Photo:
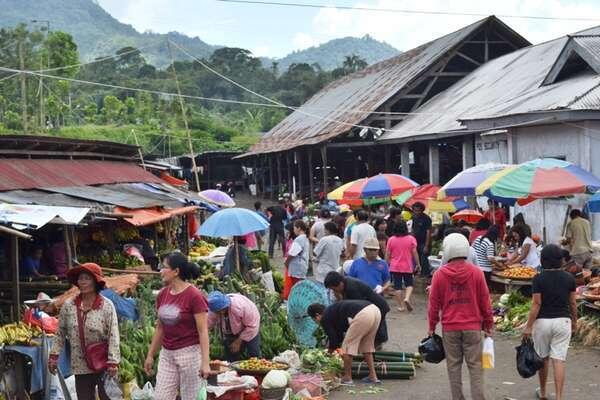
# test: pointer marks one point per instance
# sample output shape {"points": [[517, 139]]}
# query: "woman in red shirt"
{"points": [[402, 256], [181, 331]]}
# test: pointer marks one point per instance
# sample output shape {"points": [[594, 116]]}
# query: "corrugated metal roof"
{"points": [[41, 197], [18, 173], [508, 85], [333, 110], [123, 195], [590, 43]]}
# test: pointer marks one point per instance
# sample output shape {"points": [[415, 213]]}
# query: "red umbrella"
{"points": [[469, 216]]}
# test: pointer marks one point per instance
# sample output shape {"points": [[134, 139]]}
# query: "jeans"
{"points": [[276, 234], [252, 348], [425, 269], [85, 386], [467, 346]]}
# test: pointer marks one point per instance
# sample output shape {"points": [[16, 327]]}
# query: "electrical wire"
{"points": [[405, 11], [9, 76]]}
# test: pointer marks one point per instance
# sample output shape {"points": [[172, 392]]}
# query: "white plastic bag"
{"points": [[56, 392], [267, 281], [111, 388], [487, 356], [146, 393]]}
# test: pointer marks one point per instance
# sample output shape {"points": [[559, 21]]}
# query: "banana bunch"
{"points": [[18, 333], [126, 234], [201, 249]]}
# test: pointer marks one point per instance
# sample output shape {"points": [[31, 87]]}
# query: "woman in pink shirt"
{"points": [[402, 257]]}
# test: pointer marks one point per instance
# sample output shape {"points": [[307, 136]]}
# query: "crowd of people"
{"points": [[360, 256]]}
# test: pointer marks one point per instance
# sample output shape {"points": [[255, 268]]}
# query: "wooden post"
{"points": [[263, 175], [387, 154], [311, 181], [137, 143], [325, 172], [298, 155], [16, 289], [434, 164], [405, 160], [278, 174], [68, 251], [271, 180], [288, 161], [255, 176], [208, 173]]}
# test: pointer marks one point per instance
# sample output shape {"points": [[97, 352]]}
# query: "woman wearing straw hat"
{"points": [[90, 323]]}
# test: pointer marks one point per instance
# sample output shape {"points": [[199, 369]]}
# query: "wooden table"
{"points": [[510, 284]]}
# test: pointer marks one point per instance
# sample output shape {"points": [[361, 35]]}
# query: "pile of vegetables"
{"points": [[319, 360], [588, 330], [511, 312]]}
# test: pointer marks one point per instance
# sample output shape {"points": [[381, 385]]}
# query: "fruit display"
{"points": [[260, 365], [518, 271], [125, 234], [100, 238], [201, 249], [18, 333]]}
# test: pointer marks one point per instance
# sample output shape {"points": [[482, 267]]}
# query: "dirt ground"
{"points": [[502, 383]]}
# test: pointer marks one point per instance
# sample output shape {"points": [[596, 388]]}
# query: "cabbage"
{"points": [[276, 379]]}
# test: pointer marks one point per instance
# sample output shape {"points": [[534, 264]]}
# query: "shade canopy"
{"points": [[377, 188], [232, 222], [466, 182], [217, 197], [539, 179], [427, 194], [469, 216]]}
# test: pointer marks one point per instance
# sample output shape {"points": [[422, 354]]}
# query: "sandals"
{"points": [[347, 383], [538, 394], [370, 381], [409, 306]]}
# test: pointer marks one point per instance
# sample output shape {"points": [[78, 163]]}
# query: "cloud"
{"points": [[302, 41], [405, 31], [261, 51]]}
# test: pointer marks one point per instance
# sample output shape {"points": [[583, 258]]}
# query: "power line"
{"points": [[9, 76], [405, 11]]}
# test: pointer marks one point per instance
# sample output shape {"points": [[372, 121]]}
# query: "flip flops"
{"points": [[347, 383], [408, 306], [538, 394], [370, 381]]}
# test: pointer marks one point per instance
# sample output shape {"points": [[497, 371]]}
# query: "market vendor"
{"points": [[528, 253], [30, 265], [347, 288], [351, 324], [238, 321], [230, 261]]}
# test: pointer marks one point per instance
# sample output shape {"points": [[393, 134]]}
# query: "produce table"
{"points": [[38, 364], [510, 284]]}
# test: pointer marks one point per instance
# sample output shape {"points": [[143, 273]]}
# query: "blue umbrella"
{"points": [[232, 222], [593, 204], [302, 295]]}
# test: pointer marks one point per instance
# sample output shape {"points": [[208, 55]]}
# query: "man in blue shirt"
{"points": [[370, 269], [30, 265]]}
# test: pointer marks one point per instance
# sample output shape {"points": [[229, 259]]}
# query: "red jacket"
{"points": [[459, 293]]}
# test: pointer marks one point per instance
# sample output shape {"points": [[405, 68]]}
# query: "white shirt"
{"points": [[328, 252], [360, 233], [318, 228], [533, 258]]}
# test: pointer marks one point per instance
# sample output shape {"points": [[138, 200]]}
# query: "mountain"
{"points": [[95, 31], [98, 34], [330, 55]]}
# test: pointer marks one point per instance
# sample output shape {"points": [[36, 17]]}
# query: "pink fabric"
{"points": [[401, 253], [244, 317], [178, 373], [251, 243]]}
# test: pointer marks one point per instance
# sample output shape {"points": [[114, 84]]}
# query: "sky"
{"points": [[274, 31]]}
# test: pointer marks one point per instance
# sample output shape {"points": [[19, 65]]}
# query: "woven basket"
{"points": [[272, 394]]}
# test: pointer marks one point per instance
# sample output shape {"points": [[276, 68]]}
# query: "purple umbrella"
{"points": [[217, 197]]}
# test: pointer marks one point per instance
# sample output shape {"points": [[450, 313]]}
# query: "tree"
{"points": [[112, 109], [60, 51]]}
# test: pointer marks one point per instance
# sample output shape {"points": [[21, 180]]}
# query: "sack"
{"points": [[112, 388], [528, 361], [432, 349], [487, 355]]}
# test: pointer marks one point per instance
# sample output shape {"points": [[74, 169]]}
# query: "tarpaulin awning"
{"points": [[23, 216], [149, 216], [170, 179]]}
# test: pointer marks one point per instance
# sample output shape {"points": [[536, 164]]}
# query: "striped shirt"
{"points": [[484, 248]]}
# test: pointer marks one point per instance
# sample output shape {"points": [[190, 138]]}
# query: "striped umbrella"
{"points": [[378, 188], [465, 182], [469, 216], [538, 179], [338, 195], [427, 194]]}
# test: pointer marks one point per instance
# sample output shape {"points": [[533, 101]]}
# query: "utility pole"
{"points": [[183, 114], [41, 91], [23, 86]]}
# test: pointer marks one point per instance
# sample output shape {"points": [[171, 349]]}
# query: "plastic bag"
{"points": [[202, 391], [528, 361], [40, 319], [146, 393], [267, 281], [487, 355], [56, 392], [112, 388], [432, 349]]}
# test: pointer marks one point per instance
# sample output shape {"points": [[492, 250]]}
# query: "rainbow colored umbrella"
{"points": [[378, 188], [465, 182], [337, 195], [427, 194], [538, 179], [469, 216]]}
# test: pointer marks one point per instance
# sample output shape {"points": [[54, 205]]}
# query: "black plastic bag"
{"points": [[528, 361], [432, 349]]}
